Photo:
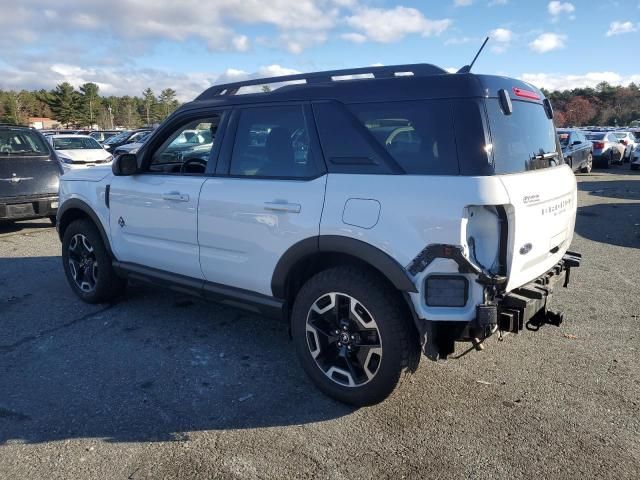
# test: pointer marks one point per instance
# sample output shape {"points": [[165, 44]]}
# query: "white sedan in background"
{"points": [[79, 151]]}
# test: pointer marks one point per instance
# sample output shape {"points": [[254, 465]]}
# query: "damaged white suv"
{"points": [[381, 211]]}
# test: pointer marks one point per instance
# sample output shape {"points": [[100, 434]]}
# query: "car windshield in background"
{"points": [[524, 140], [116, 138], [595, 136], [564, 138], [24, 142], [75, 143]]}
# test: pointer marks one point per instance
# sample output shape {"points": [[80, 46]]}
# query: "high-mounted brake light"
{"points": [[520, 92]]}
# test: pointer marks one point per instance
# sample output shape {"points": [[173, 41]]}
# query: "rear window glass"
{"points": [[418, 134], [524, 140], [21, 142], [564, 138], [595, 136]]}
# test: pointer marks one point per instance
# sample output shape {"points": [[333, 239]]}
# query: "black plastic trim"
{"points": [[76, 204], [369, 254], [235, 297]]}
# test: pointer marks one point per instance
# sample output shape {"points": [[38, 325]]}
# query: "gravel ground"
{"points": [[160, 385]]}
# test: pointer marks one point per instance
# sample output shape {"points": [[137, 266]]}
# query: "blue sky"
{"points": [[126, 45]]}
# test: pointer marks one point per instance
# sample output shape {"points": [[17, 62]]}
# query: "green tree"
{"points": [[149, 102], [168, 102], [90, 102], [64, 103]]}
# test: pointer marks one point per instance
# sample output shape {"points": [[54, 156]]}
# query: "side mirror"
{"points": [[125, 164], [576, 142]]}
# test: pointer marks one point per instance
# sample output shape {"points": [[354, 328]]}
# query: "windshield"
{"points": [[138, 137], [116, 138], [21, 142], [524, 140], [75, 143]]}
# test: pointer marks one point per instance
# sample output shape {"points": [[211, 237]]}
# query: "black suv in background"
{"points": [[128, 136], [29, 175]]}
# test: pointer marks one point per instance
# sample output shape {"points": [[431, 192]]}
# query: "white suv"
{"points": [[379, 216]]}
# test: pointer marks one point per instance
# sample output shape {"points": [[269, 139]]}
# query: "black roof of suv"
{"points": [[388, 83]]}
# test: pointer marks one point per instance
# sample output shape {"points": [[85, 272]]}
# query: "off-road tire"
{"points": [[108, 285], [400, 346]]}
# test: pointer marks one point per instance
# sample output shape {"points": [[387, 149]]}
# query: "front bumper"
{"points": [[526, 307], [26, 207]]}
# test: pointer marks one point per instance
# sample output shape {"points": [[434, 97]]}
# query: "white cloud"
{"points": [[501, 38], [553, 81], [556, 8], [617, 28], [128, 81], [462, 3], [354, 37], [391, 25], [547, 42], [214, 23]]}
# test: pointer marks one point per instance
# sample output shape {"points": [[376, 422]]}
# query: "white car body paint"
{"points": [[245, 225]]}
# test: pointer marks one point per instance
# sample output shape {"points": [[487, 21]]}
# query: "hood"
{"points": [[94, 174], [85, 155]]}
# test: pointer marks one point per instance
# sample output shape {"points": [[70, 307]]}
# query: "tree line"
{"points": [[86, 108], [604, 105]]}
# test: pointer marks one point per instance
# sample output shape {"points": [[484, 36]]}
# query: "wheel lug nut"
{"points": [[339, 344], [337, 332], [353, 337]]}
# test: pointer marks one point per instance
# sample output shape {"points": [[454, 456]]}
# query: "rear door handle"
{"points": [[283, 207], [175, 197]]}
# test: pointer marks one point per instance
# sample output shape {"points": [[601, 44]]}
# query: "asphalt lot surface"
{"points": [[160, 385]]}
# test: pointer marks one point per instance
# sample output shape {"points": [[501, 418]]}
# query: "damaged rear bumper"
{"points": [[526, 307]]}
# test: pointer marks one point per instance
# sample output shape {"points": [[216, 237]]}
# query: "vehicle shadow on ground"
{"points": [[597, 184], [153, 366], [12, 227], [612, 223]]}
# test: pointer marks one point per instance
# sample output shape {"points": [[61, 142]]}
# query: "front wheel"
{"points": [[609, 160], [352, 335], [588, 165], [87, 264]]}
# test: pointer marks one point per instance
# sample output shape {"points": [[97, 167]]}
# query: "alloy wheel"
{"points": [[344, 340], [83, 265]]}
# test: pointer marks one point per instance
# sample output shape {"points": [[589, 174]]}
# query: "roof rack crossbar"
{"points": [[418, 69]]}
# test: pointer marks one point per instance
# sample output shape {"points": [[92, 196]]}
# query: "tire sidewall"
{"points": [[103, 259], [391, 364]]}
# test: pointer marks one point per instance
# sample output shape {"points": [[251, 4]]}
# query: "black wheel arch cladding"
{"points": [[363, 251]]}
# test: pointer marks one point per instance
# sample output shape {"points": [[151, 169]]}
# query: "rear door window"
{"points": [[418, 135], [273, 142]]}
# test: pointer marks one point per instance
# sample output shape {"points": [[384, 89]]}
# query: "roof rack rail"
{"points": [[416, 69]]}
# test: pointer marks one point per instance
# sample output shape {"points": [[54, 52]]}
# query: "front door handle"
{"points": [[175, 197], [283, 207]]}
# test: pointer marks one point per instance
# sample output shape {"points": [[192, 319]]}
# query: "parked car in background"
{"points": [[629, 141], [101, 135], [128, 136], [79, 151], [576, 149], [607, 149], [29, 175], [131, 147]]}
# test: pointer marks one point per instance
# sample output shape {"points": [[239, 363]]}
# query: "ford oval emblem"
{"points": [[526, 248]]}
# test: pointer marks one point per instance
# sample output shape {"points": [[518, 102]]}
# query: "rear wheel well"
{"points": [[310, 265]]}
